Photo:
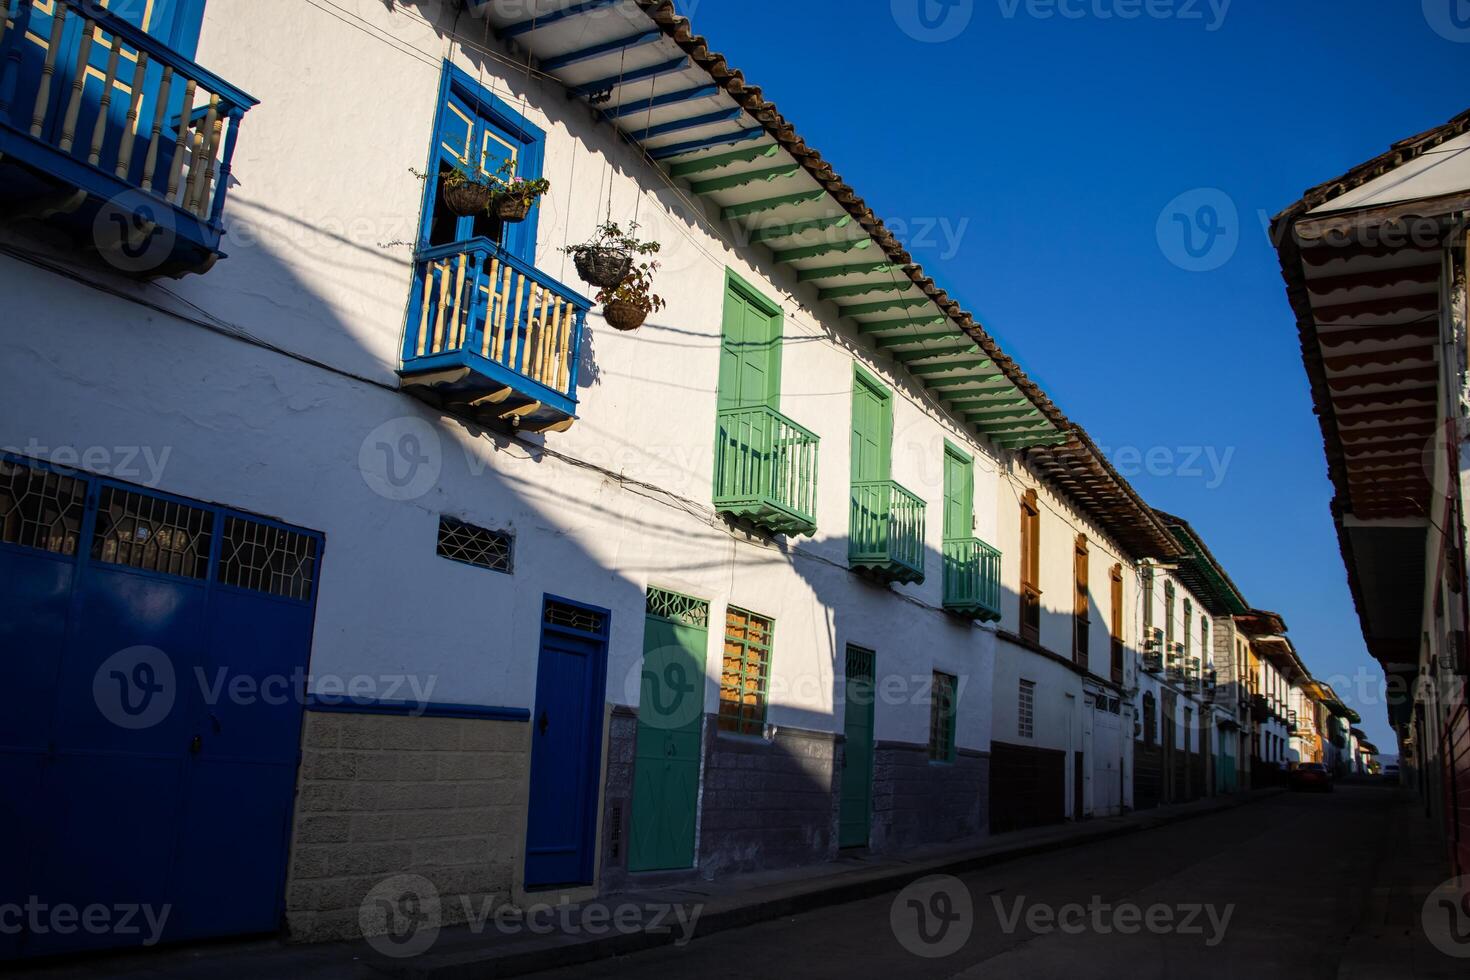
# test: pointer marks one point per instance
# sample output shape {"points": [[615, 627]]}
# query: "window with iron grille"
{"points": [[942, 718], [152, 533], [677, 608], [40, 508], [267, 559], [745, 672], [1026, 710], [575, 618], [478, 546]]}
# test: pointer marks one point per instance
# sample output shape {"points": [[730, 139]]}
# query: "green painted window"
{"points": [[745, 672], [1169, 616], [1188, 628], [750, 349], [942, 718], [959, 494], [872, 428]]}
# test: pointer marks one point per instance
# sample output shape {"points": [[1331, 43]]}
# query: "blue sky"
{"points": [[1027, 149]]}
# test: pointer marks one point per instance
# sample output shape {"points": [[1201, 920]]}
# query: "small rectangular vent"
{"points": [[40, 508], [575, 618], [682, 609], [476, 546]]}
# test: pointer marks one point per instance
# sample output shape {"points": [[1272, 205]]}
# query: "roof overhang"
{"points": [[1201, 573], [644, 70], [1363, 260], [1081, 471]]}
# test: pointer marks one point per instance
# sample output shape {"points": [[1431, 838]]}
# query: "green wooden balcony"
{"points": [[972, 579], [887, 531], [766, 470]]}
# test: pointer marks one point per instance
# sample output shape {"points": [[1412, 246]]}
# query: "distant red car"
{"points": [[1310, 776]]}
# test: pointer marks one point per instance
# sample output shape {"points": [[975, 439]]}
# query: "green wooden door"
{"points": [[670, 716], [750, 351], [857, 756], [871, 431], [959, 494]]}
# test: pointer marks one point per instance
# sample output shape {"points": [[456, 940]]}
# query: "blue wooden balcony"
{"points": [[493, 338], [972, 579], [886, 531], [766, 470], [108, 133]]}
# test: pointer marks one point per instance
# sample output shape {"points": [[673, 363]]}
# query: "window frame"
{"points": [[1026, 709], [518, 239], [1115, 639], [942, 725], [736, 723], [1030, 557], [1081, 600]]}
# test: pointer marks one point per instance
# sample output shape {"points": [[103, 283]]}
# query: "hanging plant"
{"points": [[605, 259], [465, 195], [514, 195], [627, 305]]}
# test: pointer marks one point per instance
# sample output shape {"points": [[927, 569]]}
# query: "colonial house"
{"points": [[1374, 263]]}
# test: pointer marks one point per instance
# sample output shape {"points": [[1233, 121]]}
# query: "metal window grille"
{"points": [[476, 546], [1026, 710], [942, 718], [682, 609], [267, 559], [151, 533], [575, 617], [40, 508], [745, 672]]}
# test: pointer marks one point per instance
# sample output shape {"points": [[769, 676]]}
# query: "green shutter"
{"points": [[750, 349]]}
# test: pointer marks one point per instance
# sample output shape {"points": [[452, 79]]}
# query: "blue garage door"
{"points": [[155, 650]]}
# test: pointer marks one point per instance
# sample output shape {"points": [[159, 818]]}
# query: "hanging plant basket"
{"points": [[623, 314], [603, 267], [512, 208], [467, 197]]}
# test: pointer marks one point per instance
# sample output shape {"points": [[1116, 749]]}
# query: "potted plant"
{"points": [[628, 304], [605, 259], [466, 195], [515, 195]]}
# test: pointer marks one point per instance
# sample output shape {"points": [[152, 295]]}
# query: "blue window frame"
{"points": [[476, 132]]}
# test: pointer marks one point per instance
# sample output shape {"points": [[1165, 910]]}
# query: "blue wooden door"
{"points": [[145, 783], [566, 745]]}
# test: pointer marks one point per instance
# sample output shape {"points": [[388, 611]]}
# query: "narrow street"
{"points": [[1292, 878]]}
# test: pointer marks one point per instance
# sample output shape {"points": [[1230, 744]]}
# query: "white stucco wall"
{"points": [[616, 504]]}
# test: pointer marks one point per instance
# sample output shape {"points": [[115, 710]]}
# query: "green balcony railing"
{"points": [[972, 578], [766, 470], [887, 531]]}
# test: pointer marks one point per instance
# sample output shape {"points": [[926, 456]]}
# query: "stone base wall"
{"points": [[917, 802], [767, 803], [381, 795], [617, 797]]}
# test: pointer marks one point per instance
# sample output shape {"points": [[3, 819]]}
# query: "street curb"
{"points": [[482, 964]]}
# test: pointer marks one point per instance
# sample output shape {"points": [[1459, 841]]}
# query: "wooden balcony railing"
{"points": [[766, 470], [972, 578], [493, 333], [887, 531], [94, 108]]}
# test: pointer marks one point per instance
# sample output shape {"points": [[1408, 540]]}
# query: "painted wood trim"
{"points": [[430, 709]]}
